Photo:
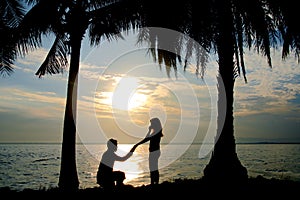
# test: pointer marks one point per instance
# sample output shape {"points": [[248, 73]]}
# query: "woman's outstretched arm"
{"points": [[146, 139]]}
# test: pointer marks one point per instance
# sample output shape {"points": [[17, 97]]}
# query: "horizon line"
{"points": [[91, 143]]}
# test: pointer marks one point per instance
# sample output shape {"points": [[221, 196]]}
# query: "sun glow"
{"points": [[126, 95]]}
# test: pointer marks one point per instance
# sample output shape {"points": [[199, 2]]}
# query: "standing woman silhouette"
{"points": [[154, 136]]}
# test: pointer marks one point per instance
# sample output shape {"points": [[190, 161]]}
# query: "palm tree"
{"points": [[224, 27], [255, 24], [68, 21]]}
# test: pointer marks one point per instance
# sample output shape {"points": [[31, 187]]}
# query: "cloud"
{"points": [[270, 90], [90, 71], [33, 58], [32, 104], [170, 99]]}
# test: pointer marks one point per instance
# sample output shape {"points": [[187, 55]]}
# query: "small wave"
{"points": [[276, 170], [44, 159]]}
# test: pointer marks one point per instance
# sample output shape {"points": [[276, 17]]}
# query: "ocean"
{"points": [[37, 166]]}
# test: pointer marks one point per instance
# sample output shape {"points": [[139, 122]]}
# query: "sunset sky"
{"points": [[121, 88]]}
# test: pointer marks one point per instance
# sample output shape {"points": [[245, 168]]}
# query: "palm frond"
{"points": [[7, 51], [12, 12], [111, 19], [201, 60], [289, 28], [239, 46], [7, 57], [261, 26], [32, 28], [98, 4], [56, 60]]}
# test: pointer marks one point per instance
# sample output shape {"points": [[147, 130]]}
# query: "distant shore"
{"points": [[104, 143], [253, 187]]}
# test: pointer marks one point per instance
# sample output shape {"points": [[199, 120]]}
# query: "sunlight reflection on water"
{"points": [[132, 166], [37, 165]]}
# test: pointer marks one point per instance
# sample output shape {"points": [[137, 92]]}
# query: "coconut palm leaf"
{"points": [[7, 51], [109, 20], [11, 13], [287, 15], [32, 28], [56, 60]]}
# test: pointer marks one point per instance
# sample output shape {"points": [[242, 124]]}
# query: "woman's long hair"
{"points": [[156, 125]]}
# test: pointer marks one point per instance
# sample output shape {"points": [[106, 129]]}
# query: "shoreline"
{"points": [[252, 186]]}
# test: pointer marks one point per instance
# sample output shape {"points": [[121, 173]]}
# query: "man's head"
{"points": [[112, 144]]}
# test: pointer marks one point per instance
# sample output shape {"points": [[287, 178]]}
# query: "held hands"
{"points": [[133, 148]]}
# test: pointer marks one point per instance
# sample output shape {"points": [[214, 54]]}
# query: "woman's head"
{"points": [[156, 125]]}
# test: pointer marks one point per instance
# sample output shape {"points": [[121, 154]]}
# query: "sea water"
{"points": [[37, 166]]}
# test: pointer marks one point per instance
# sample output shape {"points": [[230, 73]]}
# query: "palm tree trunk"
{"points": [[68, 179], [224, 163]]}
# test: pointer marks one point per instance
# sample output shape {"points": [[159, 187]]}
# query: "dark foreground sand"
{"points": [[257, 188]]}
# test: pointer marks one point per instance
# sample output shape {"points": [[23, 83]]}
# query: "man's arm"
{"points": [[123, 158]]}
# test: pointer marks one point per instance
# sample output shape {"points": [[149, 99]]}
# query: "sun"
{"points": [[128, 94]]}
